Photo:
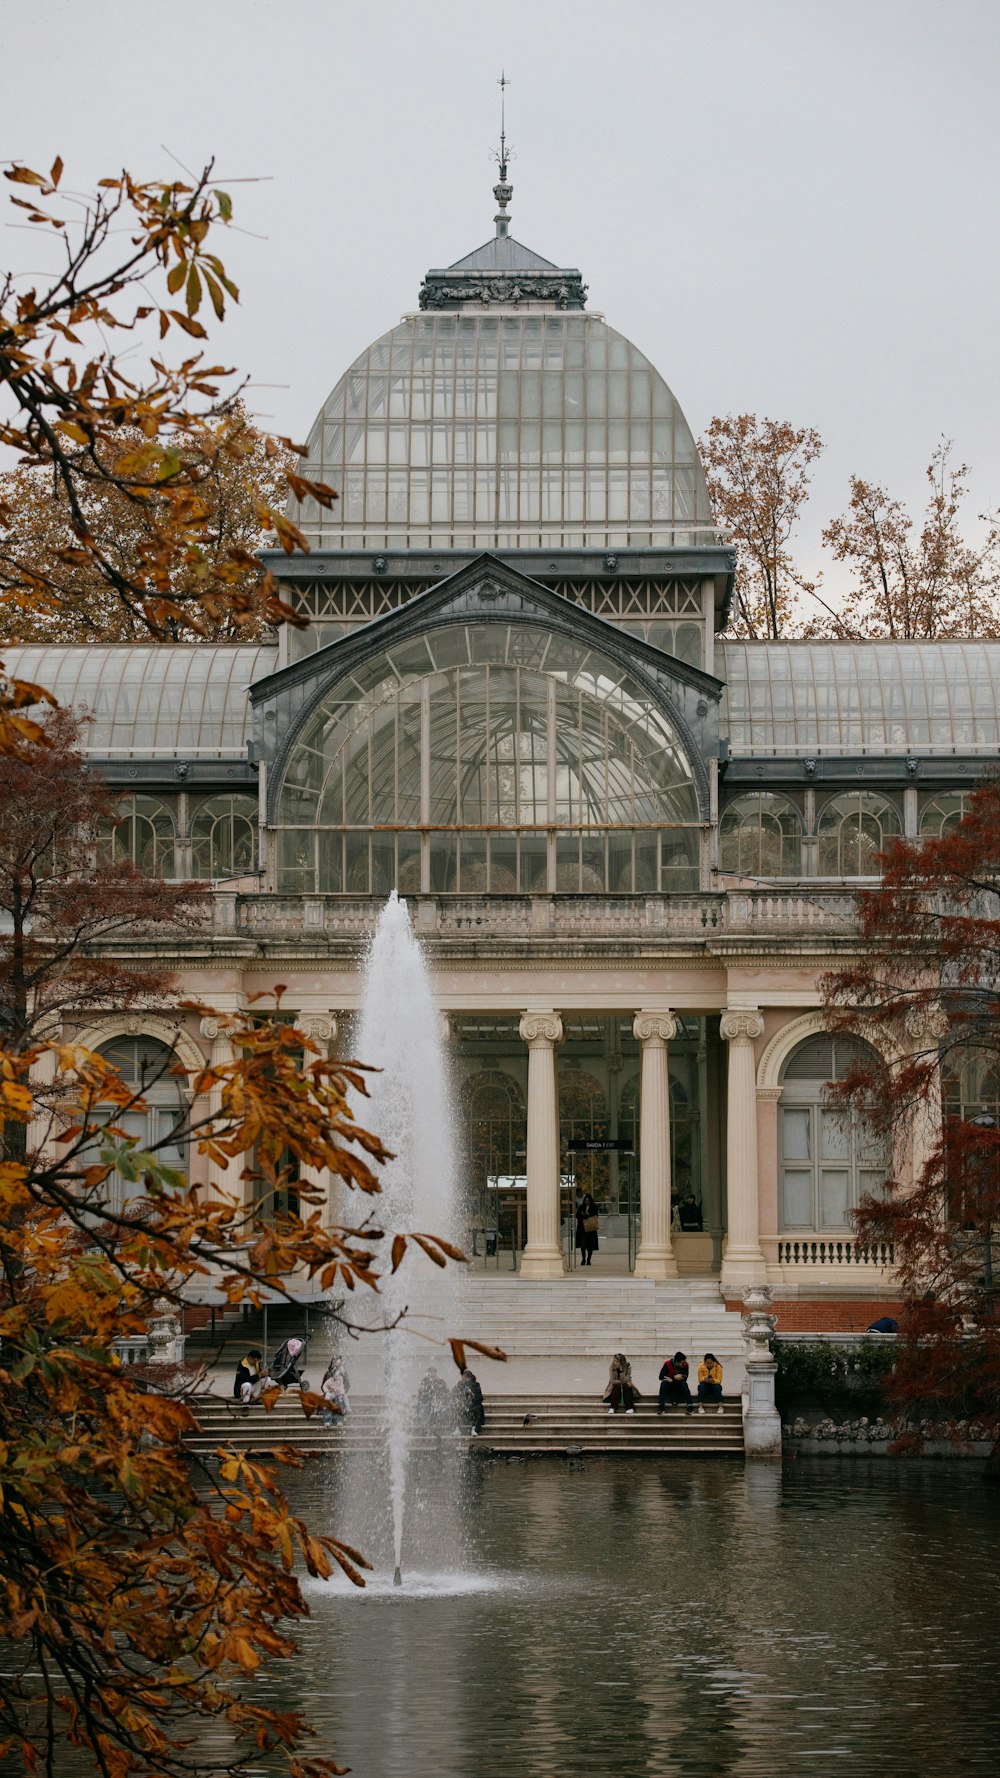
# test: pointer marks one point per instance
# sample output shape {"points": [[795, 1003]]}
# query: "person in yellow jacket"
{"points": [[710, 1382]]}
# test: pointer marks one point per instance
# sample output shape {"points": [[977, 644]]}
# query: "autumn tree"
{"points": [[241, 475], [138, 1592], [758, 481], [923, 990], [139, 264], [911, 581], [68, 906]]}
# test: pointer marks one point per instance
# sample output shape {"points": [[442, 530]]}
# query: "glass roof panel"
{"points": [[861, 697], [172, 701], [469, 394]]}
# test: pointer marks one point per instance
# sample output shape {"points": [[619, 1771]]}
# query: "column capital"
{"points": [[320, 1026], [654, 1027], [542, 1030], [741, 1021]]}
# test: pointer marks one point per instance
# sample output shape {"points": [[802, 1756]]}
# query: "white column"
{"points": [[655, 1258], [542, 1257], [743, 1261]]}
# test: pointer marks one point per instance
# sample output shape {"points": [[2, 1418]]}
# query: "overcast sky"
{"points": [[789, 205]]}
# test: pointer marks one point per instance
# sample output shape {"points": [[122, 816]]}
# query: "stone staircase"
{"points": [[581, 1316], [515, 1425]]}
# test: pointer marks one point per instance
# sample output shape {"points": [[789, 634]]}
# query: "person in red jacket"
{"points": [[674, 1383]]}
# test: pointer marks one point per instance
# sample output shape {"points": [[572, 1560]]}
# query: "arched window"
{"points": [[489, 759], [828, 1160], [496, 1127], [143, 836], [224, 833], [943, 814], [760, 835], [145, 1066], [853, 829]]}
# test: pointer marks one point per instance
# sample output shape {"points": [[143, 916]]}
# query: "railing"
{"points": [[691, 916], [835, 1253]]}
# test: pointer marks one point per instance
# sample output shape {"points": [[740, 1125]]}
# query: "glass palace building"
{"points": [[629, 844]]}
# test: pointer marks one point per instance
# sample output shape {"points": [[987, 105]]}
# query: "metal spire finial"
{"points": [[503, 191], [503, 83]]}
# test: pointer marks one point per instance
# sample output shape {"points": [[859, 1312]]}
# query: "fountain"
{"points": [[410, 1109]]}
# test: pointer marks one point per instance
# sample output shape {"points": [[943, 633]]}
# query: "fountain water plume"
{"points": [[411, 1111]]}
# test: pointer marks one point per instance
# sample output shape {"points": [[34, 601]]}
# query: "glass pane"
{"points": [[534, 870], [797, 1200], [797, 1134], [833, 1198], [835, 1136]]}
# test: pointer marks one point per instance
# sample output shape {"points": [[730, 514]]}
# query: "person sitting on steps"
{"points": [[674, 1384], [621, 1391], [249, 1379], [710, 1382]]}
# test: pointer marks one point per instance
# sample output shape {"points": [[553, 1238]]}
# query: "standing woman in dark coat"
{"points": [[586, 1238]]}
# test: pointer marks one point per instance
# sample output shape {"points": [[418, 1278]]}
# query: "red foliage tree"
{"points": [[67, 908], [924, 989]]}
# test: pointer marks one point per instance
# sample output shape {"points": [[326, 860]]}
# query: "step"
{"points": [[555, 1426]]}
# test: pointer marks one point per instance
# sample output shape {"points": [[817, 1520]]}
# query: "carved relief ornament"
{"points": [[543, 1029], [654, 1027], [741, 1022]]}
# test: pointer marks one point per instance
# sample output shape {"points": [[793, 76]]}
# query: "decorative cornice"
{"points": [[741, 1022], [654, 1027], [453, 290], [541, 1030]]}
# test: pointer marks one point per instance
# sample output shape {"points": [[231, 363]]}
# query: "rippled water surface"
{"points": [[679, 1618]]}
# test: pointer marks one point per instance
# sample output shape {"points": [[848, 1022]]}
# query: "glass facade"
{"points": [[853, 829], [179, 700], [942, 814], [495, 758], [760, 835], [143, 835], [504, 430], [224, 836], [862, 697]]}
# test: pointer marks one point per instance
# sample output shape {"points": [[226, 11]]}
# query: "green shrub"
{"points": [[843, 1382]]}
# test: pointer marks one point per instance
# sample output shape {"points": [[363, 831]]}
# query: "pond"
{"points": [[688, 1617]]}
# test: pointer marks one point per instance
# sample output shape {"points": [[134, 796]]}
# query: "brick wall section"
{"points": [[796, 1316]]}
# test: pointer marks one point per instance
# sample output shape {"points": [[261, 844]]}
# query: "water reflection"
{"points": [[691, 1619], [688, 1619]]}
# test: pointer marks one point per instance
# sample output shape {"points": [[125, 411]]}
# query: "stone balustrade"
{"points": [[689, 917], [837, 1252]]}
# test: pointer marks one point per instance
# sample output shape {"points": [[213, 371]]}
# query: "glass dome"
{"points": [[504, 430], [487, 758]]}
